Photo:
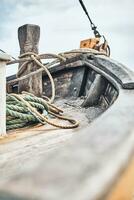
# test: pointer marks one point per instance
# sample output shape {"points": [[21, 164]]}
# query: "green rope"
{"points": [[26, 109], [19, 115]]}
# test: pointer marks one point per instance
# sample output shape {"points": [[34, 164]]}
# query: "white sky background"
{"points": [[63, 24]]}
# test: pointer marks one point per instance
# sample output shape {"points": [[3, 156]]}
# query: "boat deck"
{"points": [[25, 144]]}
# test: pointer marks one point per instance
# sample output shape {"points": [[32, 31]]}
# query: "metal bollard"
{"points": [[4, 58]]}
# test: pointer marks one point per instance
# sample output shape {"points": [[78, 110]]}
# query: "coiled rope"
{"points": [[25, 109]]}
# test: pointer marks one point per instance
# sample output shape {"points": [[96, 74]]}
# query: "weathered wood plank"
{"points": [[28, 36], [67, 83], [4, 58], [123, 75]]}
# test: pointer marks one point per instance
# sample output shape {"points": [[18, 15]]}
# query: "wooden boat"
{"points": [[46, 163]]}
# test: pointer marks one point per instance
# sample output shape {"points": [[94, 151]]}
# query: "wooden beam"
{"points": [[3, 59], [28, 36]]}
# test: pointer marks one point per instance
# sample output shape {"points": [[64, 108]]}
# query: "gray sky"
{"points": [[63, 24]]}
